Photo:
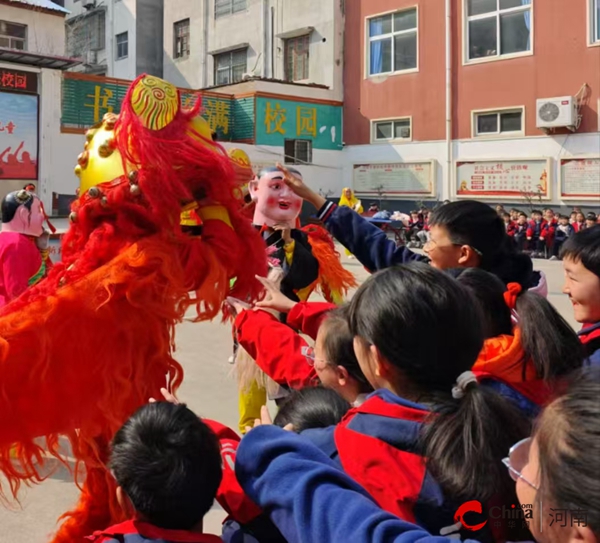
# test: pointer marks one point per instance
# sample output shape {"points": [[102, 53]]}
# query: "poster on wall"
{"points": [[18, 136], [503, 178], [580, 178], [395, 179]]}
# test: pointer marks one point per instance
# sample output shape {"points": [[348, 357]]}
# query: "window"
{"points": [[498, 27], [393, 129], [13, 36], [496, 123], [86, 33], [393, 42], [298, 151], [122, 45], [228, 7], [296, 58], [181, 33], [595, 21], [230, 67]]}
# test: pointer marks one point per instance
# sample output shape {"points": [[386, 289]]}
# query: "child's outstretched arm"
{"points": [[309, 498]]}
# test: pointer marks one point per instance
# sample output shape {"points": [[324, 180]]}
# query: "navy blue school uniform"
{"points": [[310, 499], [376, 444]]}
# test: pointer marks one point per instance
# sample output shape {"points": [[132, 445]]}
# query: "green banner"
{"points": [[84, 103], [279, 120]]}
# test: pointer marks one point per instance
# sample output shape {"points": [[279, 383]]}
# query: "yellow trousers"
{"points": [[249, 404]]}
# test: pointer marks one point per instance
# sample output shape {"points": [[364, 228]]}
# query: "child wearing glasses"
{"points": [[467, 234], [287, 358]]}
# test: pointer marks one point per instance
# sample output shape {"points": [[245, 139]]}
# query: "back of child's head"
{"points": [[547, 339], [168, 463], [568, 439], [338, 344], [311, 407], [584, 247], [428, 327], [476, 224]]}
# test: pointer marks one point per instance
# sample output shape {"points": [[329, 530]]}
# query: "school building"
{"points": [[489, 99]]}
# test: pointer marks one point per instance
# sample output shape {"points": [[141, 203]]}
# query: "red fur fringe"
{"points": [[80, 351]]}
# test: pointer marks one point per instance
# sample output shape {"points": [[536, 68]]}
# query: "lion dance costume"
{"points": [[81, 350]]}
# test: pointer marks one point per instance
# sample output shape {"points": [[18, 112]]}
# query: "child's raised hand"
{"points": [[274, 299]]}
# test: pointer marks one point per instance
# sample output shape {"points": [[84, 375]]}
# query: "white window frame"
{"points": [[593, 29], [10, 38], [230, 53], [368, 40], [498, 135], [117, 57], [498, 56], [176, 26], [293, 160], [232, 10], [376, 140]]}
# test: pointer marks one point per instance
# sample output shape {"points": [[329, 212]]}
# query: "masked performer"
{"points": [[82, 349], [24, 251], [308, 262]]}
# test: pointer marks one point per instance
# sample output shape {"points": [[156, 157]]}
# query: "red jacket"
{"points": [[511, 228], [578, 226], [531, 228], [135, 531], [277, 349], [548, 230], [230, 495]]}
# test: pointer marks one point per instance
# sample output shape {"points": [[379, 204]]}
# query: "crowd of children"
{"points": [[446, 390], [543, 234]]}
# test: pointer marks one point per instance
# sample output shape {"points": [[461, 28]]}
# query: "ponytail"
{"points": [[547, 339], [466, 439]]}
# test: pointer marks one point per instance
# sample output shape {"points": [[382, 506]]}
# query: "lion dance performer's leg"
{"points": [[84, 348]]}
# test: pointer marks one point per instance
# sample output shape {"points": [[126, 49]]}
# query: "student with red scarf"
{"points": [[528, 349]]}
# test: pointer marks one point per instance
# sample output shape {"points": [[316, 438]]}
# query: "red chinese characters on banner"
{"points": [[18, 81]]}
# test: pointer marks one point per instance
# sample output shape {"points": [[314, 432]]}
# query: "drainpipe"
{"points": [[264, 27], [272, 42], [204, 57], [449, 166]]}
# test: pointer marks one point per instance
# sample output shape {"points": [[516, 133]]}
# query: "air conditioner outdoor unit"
{"points": [[557, 112]]}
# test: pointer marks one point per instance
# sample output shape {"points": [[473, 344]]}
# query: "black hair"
{"points": [[13, 201], [554, 348], [505, 214], [591, 216], [311, 407], [536, 212], [270, 169], [563, 217], [568, 438], [428, 326], [339, 345], [168, 463], [585, 247], [476, 224], [523, 214]]}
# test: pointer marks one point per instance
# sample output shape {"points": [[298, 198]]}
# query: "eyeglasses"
{"points": [[432, 243], [517, 459], [309, 353]]}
